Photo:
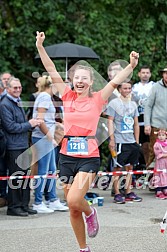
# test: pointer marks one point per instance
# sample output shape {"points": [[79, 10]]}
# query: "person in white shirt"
{"points": [[140, 92]]}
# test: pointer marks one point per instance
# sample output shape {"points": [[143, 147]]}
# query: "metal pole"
{"points": [[66, 69]]}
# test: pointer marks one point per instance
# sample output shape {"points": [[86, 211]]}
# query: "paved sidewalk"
{"points": [[132, 227]]}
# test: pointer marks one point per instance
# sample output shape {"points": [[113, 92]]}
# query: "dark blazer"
{"points": [[14, 124]]}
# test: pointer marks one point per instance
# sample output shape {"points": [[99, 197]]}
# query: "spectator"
{"points": [[2, 90], [2, 150], [113, 69], [155, 115], [5, 78], [32, 98], [140, 92], [44, 143], [59, 131], [3, 169], [3, 183], [160, 178], [124, 138], [57, 104], [16, 129]]}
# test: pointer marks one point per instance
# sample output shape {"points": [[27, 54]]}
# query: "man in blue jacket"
{"points": [[3, 169], [16, 127]]}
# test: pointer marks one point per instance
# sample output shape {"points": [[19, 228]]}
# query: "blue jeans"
{"points": [[46, 165]]}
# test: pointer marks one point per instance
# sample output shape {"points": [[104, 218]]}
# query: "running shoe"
{"points": [[57, 206], [161, 196], [132, 197], [119, 199], [42, 208], [85, 250], [92, 223]]}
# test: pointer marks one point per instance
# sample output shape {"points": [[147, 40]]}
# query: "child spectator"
{"points": [[123, 129], [160, 151]]}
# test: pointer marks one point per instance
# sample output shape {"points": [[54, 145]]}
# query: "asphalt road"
{"points": [[132, 227]]}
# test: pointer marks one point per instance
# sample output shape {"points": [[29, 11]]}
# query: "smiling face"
{"points": [[125, 89], [14, 88], [82, 81]]}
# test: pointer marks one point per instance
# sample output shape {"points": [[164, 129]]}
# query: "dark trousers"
{"points": [[18, 189], [3, 173], [153, 138]]}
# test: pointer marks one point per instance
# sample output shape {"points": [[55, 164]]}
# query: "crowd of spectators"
{"points": [[136, 114]]}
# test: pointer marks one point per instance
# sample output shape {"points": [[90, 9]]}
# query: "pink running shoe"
{"points": [[165, 192], [161, 196], [92, 223], [88, 250]]}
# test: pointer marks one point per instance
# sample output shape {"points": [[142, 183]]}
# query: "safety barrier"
{"points": [[100, 173]]}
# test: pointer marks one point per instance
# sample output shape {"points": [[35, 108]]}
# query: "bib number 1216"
{"points": [[77, 146]]}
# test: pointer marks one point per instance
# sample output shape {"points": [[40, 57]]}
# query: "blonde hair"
{"points": [[160, 131], [44, 82], [87, 68]]}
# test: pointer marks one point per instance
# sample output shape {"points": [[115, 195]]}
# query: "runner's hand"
{"points": [[40, 38], [134, 57]]}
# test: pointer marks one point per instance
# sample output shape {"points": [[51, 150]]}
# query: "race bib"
{"points": [[127, 124], [77, 146]]}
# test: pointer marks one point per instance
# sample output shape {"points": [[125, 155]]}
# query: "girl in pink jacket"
{"points": [[160, 175]]}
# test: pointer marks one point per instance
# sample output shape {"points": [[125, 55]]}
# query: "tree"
{"points": [[112, 28]]}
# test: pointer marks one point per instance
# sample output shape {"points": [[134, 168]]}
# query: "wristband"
{"points": [[122, 76]]}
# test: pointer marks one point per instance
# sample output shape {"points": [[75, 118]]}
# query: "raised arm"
{"points": [[121, 76], [111, 133], [48, 63]]}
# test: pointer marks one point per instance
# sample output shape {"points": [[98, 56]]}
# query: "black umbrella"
{"points": [[69, 51]]}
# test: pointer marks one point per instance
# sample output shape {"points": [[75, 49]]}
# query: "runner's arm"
{"points": [[121, 76], [48, 63]]}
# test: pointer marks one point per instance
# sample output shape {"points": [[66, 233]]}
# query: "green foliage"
{"points": [[112, 28]]}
